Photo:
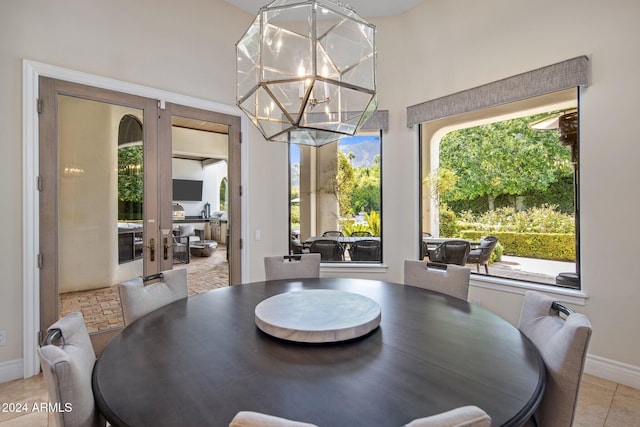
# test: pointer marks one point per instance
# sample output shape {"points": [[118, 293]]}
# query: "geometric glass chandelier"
{"points": [[306, 71]]}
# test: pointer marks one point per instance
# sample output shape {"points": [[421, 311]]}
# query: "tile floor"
{"points": [[601, 403], [101, 307]]}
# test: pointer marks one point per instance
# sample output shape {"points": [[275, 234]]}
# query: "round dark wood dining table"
{"points": [[200, 360]]}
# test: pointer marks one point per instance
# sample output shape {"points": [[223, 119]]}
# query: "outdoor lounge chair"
{"points": [[481, 254]]}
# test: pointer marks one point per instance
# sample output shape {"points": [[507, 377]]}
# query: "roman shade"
{"points": [[552, 78]]}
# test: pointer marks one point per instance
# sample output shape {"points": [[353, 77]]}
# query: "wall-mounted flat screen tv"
{"points": [[186, 190]]}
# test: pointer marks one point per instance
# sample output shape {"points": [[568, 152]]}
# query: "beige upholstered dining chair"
{"points": [[562, 340], [257, 419], [465, 416], [292, 266], [447, 279], [138, 299], [67, 370]]}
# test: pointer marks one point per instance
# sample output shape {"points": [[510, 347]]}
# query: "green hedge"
{"points": [[559, 247]]}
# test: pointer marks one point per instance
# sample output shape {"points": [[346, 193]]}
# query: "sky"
{"points": [[342, 145]]}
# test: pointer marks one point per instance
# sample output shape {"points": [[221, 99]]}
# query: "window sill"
{"points": [[572, 296], [352, 267]]}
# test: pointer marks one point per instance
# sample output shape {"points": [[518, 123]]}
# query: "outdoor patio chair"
{"points": [[181, 249], [360, 234], [451, 252], [297, 247], [425, 250], [481, 254], [333, 233], [365, 250], [562, 340], [329, 249]]}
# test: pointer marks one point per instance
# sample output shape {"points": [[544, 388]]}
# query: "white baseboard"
{"points": [[612, 370], [11, 370]]}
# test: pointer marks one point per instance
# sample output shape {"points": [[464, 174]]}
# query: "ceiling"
{"points": [[364, 8]]}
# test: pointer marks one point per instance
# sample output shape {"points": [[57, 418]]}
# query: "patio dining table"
{"points": [[202, 359], [432, 242], [345, 240]]}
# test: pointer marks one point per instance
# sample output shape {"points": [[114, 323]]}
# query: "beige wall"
{"points": [[186, 48], [436, 49], [452, 46]]}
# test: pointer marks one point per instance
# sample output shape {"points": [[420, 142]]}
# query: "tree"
{"points": [[130, 174], [344, 184], [366, 194], [503, 158], [441, 181]]}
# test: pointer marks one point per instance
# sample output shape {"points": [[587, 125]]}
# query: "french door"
{"points": [[105, 185]]}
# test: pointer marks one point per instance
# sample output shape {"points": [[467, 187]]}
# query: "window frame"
{"points": [[514, 109], [343, 266]]}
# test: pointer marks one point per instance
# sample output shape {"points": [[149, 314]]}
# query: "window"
{"points": [[224, 197], [130, 169], [515, 179], [335, 191]]}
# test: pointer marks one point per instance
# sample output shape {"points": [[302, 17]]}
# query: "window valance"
{"points": [[542, 81], [379, 120]]}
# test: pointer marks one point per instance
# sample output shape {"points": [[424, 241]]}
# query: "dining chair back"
{"points": [[333, 233], [447, 279], [292, 266], [67, 370], [465, 416], [138, 299], [366, 250], [451, 252], [257, 419], [562, 340], [329, 249], [481, 254], [360, 234]]}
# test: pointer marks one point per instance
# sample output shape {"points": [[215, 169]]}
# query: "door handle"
{"points": [[166, 248], [152, 250]]}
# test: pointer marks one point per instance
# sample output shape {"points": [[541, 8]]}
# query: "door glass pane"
{"points": [[200, 156], [100, 199]]}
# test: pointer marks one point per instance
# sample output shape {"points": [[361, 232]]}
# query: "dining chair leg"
{"points": [[486, 268]]}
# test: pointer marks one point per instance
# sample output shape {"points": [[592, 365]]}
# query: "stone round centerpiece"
{"points": [[317, 316]]}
